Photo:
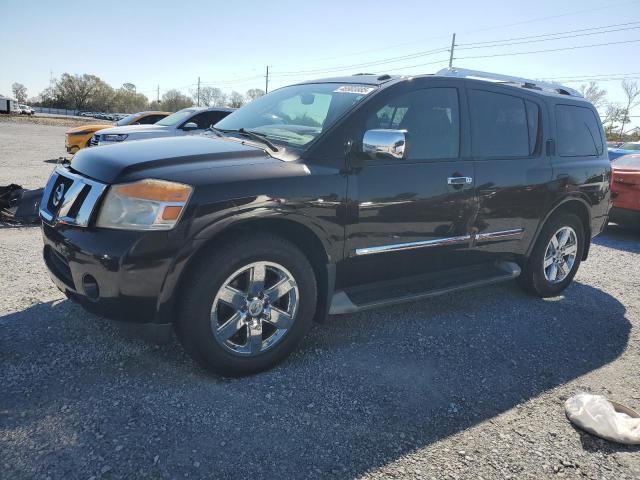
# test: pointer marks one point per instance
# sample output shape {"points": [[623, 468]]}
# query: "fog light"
{"points": [[90, 287]]}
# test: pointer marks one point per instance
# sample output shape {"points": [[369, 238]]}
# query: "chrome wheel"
{"points": [[560, 255], [255, 308]]}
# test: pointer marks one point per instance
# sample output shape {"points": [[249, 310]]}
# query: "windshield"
{"points": [[296, 115], [630, 146], [128, 120], [175, 118]]}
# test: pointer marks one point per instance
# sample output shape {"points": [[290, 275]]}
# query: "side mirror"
{"points": [[381, 143], [190, 126]]}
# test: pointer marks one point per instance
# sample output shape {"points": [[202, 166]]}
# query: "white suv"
{"points": [[186, 121]]}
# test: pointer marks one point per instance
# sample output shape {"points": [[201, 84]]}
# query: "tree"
{"points": [[593, 93], [253, 93], [209, 96], [173, 100], [631, 91], [75, 91], [613, 115], [129, 87], [127, 100], [236, 100], [20, 92]]}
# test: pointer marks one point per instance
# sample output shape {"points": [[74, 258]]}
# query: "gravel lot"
{"points": [[469, 385]]}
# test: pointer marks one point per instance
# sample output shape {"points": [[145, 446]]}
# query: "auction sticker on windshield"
{"points": [[361, 89]]}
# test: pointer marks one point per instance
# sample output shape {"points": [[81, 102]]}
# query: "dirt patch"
{"points": [[53, 121]]}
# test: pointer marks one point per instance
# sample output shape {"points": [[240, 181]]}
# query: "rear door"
{"points": [[412, 216], [513, 171]]}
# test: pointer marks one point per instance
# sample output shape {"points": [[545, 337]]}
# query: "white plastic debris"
{"points": [[604, 418]]}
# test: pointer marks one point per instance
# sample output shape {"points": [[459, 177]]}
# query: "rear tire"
{"points": [[232, 320], [556, 256]]}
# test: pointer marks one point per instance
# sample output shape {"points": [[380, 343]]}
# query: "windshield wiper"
{"points": [[217, 131], [259, 137]]}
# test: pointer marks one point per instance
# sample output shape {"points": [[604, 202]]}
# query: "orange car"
{"points": [[625, 190], [79, 137]]}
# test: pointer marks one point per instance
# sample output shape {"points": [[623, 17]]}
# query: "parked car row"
{"points": [[80, 137], [145, 125], [327, 197], [104, 116]]}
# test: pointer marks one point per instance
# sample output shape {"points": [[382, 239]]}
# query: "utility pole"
{"points": [[266, 81], [158, 95], [198, 91], [453, 45]]}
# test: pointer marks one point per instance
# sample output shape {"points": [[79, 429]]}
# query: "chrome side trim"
{"points": [[441, 242], [396, 247], [499, 235]]}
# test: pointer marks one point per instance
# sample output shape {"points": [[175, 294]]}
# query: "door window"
{"points": [[431, 118], [150, 119], [205, 119], [501, 125], [578, 132]]}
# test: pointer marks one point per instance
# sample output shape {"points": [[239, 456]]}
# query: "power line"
{"points": [[547, 50], [549, 39], [493, 27], [365, 64], [550, 34]]}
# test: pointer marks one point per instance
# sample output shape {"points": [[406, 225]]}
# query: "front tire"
{"points": [[247, 305], [556, 256]]}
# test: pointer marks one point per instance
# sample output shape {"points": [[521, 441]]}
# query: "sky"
{"points": [[229, 44]]}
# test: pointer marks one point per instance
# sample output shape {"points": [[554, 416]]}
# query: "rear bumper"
{"points": [[112, 273], [624, 216]]}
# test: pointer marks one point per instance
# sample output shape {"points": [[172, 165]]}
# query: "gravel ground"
{"points": [[469, 385]]}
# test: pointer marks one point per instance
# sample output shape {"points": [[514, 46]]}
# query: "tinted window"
{"points": [[431, 119], [150, 119], [206, 119], [499, 126], [578, 132]]}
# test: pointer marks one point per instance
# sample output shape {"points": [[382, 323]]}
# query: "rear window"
{"points": [[628, 161], [503, 125], [578, 132]]}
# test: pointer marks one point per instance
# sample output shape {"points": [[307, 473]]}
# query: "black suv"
{"points": [[330, 197]]}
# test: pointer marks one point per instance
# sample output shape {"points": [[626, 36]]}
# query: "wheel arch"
{"points": [[578, 207], [299, 234]]}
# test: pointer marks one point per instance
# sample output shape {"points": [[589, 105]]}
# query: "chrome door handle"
{"points": [[459, 180]]}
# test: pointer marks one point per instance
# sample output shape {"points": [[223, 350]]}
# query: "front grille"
{"points": [[94, 140], [70, 198], [59, 266]]}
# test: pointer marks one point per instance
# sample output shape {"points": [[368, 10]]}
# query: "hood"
{"points": [[163, 158], [135, 129], [87, 128]]}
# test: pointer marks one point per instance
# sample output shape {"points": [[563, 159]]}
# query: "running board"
{"points": [[382, 294]]}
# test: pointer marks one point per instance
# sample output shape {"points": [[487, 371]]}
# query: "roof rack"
{"points": [[523, 82]]}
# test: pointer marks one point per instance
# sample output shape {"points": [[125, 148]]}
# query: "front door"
{"points": [[414, 215]]}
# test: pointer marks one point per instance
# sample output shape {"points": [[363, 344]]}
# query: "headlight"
{"points": [[145, 205], [114, 138]]}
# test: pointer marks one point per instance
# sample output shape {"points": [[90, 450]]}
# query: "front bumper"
{"points": [[113, 273]]}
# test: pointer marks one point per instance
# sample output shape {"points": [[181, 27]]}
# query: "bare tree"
{"points": [[253, 93], [20, 92], [236, 100], [631, 91], [613, 115], [209, 96], [173, 100], [596, 95]]}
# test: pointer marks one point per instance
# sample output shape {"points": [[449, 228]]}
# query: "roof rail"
{"points": [[523, 82]]}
